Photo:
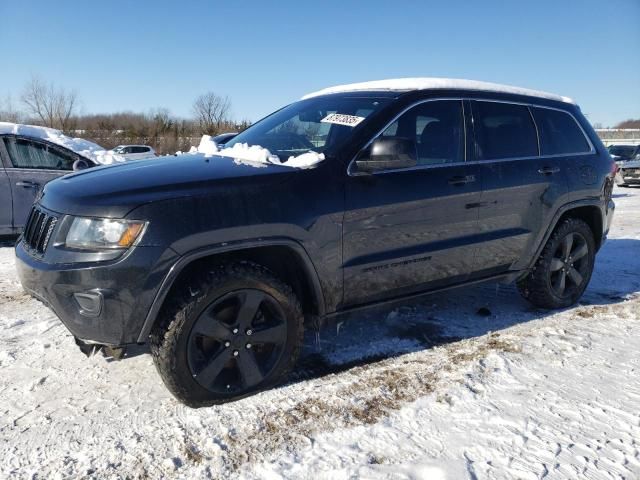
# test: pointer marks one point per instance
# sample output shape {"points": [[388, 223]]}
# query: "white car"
{"points": [[133, 152]]}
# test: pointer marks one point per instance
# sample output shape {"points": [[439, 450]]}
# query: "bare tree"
{"points": [[211, 112], [8, 113], [54, 107]]}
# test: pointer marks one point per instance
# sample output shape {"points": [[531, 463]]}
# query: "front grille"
{"points": [[38, 229]]}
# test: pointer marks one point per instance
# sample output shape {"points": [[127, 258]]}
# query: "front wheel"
{"points": [[232, 332], [562, 273]]}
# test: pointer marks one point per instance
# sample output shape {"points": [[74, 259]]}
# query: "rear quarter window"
{"points": [[559, 133]]}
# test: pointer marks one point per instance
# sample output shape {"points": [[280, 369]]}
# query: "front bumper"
{"points": [[628, 176], [124, 288]]}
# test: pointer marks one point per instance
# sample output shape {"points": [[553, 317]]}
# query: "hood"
{"points": [[113, 191]]}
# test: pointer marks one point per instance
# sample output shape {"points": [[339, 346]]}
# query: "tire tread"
{"points": [[178, 307]]}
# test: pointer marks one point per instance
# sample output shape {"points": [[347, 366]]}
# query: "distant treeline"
{"points": [[45, 104], [164, 132]]}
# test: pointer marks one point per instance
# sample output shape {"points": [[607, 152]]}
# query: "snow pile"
{"points": [[252, 153], [305, 160], [243, 152], [429, 83], [207, 146], [83, 147], [256, 153]]}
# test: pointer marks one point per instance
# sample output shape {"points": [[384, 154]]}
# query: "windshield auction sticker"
{"points": [[340, 119]]}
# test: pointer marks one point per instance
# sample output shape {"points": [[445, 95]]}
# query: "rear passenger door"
{"points": [[413, 229], [32, 165], [563, 138], [521, 190]]}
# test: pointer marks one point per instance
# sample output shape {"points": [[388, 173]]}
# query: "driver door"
{"points": [[408, 230], [32, 165]]}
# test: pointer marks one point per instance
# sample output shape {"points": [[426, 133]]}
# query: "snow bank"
{"points": [[244, 152], [427, 83], [81, 146]]}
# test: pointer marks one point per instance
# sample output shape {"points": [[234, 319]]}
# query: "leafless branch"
{"points": [[54, 107], [211, 112]]}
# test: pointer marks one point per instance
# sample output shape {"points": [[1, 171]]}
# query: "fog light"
{"points": [[89, 303]]}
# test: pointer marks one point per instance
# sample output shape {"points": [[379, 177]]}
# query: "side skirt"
{"points": [[335, 317]]}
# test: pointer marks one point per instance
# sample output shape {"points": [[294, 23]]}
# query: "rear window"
{"points": [[559, 133], [504, 130]]}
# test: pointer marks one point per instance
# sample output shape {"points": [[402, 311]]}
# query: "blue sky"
{"points": [[137, 55]]}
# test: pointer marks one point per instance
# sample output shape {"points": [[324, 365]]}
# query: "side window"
{"points": [[504, 130], [26, 154], [436, 127], [559, 133]]}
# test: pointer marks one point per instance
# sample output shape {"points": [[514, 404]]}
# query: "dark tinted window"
{"points": [[559, 132], [436, 127], [623, 151], [26, 154], [504, 130]]}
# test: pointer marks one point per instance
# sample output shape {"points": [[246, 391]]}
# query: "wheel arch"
{"points": [[588, 211], [592, 216], [286, 258]]}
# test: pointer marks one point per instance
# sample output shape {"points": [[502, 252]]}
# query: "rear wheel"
{"points": [[564, 268], [235, 331]]}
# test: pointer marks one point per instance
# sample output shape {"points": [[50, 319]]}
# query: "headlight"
{"points": [[101, 233]]}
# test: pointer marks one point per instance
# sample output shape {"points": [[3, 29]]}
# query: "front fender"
{"points": [[189, 257]]}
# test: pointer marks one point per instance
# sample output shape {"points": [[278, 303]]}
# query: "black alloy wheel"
{"points": [[237, 341], [569, 265]]}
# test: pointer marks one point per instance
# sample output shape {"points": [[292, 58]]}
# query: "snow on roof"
{"points": [[426, 83], [81, 146]]}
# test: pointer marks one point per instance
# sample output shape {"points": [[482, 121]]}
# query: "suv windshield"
{"points": [[316, 124]]}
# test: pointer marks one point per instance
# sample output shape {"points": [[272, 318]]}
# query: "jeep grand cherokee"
{"points": [[351, 197]]}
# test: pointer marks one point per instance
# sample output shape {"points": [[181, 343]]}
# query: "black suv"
{"points": [[349, 198]]}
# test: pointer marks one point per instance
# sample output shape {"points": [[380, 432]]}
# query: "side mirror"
{"points": [[388, 154]]}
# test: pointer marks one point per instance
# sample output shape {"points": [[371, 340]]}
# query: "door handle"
{"points": [[548, 170], [27, 184], [462, 179]]}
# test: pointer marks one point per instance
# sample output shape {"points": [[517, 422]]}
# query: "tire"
{"points": [[227, 334], [544, 286]]}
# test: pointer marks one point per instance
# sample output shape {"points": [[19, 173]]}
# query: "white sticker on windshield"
{"points": [[340, 119]]}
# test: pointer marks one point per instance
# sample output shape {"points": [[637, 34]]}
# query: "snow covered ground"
{"points": [[473, 383]]}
